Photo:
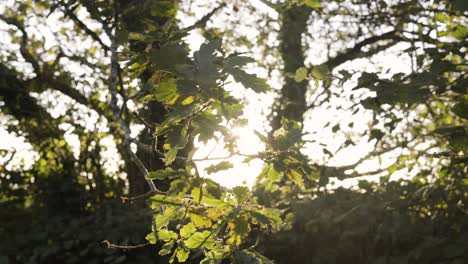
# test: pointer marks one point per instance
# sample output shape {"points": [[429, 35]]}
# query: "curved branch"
{"points": [[114, 82], [69, 12], [24, 42], [356, 51]]}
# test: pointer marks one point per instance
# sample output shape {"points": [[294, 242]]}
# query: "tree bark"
{"points": [[291, 103]]}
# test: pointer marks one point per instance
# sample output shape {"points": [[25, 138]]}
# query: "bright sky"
{"points": [[257, 106]]}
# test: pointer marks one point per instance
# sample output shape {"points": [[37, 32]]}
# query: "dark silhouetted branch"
{"points": [[356, 51]]}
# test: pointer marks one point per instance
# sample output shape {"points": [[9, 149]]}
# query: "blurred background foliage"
{"points": [[62, 203]]}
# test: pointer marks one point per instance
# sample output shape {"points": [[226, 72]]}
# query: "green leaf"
{"points": [[457, 137], [199, 239], [163, 174], [301, 74], [241, 193], [213, 188], [187, 230], [167, 57], [200, 221], [176, 139], [159, 200], [207, 70], [205, 56], [135, 36], [166, 248], [239, 228], [376, 134], [151, 238], [259, 217], [182, 254], [213, 202], [166, 91], [164, 251], [231, 111], [321, 72], [251, 81], [240, 122], [122, 37], [237, 61], [460, 32], [166, 235], [442, 17], [461, 108], [196, 194], [263, 138], [170, 156], [205, 126], [214, 213], [335, 128], [296, 177], [188, 100], [274, 175], [273, 215], [459, 141], [163, 220], [162, 8], [224, 165], [312, 3]]}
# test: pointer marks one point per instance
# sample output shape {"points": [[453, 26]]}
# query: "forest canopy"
{"points": [[264, 131]]}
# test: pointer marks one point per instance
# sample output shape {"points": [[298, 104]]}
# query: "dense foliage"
{"points": [[95, 72]]}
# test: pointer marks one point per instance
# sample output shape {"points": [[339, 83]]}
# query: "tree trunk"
{"points": [[292, 102]]}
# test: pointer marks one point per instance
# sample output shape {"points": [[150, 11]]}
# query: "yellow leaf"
{"points": [[296, 177], [188, 100], [214, 213], [135, 36], [200, 221], [196, 194], [172, 100]]}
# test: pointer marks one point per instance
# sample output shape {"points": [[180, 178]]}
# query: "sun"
{"points": [[243, 173]]}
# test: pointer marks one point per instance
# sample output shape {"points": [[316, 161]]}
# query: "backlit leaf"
{"points": [[162, 174], [224, 165], [301, 74], [274, 175], [199, 239], [250, 80], [187, 230], [321, 72], [182, 254], [151, 238], [241, 193], [200, 221]]}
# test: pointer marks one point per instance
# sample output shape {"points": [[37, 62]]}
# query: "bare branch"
{"points": [[114, 82], [110, 245], [149, 149], [24, 42], [69, 12], [356, 51], [200, 23]]}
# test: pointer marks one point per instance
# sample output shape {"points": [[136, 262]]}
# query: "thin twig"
{"points": [[110, 245], [116, 111], [200, 23], [69, 12]]}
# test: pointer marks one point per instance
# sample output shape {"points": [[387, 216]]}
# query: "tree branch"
{"points": [[356, 51], [24, 42], [114, 82], [69, 12], [200, 23]]}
